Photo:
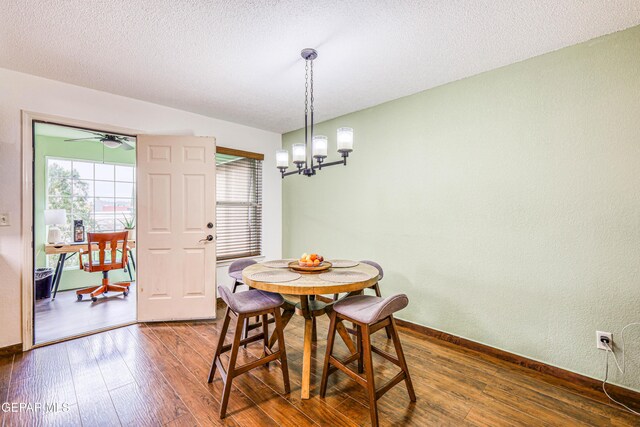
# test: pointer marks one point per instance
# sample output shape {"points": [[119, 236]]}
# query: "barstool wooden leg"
{"points": [[330, 340], [232, 366], [245, 329], [359, 349], [265, 338], [368, 367], [282, 349], [342, 331], [401, 359], [285, 318], [223, 333], [376, 289], [257, 317]]}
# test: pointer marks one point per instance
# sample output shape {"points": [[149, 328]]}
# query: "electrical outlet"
{"points": [[4, 219], [607, 335]]}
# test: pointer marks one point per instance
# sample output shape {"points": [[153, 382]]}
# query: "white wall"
{"points": [[20, 91]]}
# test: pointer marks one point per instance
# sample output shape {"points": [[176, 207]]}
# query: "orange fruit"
{"points": [[316, 262], [314, 257], [309, 263]]}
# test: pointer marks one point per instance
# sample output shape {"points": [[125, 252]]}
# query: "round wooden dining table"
{"points": [[303, 297]]}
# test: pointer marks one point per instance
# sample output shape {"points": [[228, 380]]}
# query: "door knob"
{"points": [[209, 238], [210, 225]]}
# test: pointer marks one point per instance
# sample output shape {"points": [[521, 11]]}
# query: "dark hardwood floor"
{"points": [[156, 374], [66, 316]]}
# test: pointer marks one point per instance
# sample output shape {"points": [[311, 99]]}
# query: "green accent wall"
{"points": [[505, 205], [46, 146]]}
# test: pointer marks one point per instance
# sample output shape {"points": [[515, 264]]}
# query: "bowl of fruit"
{"points": [[310, 263]]}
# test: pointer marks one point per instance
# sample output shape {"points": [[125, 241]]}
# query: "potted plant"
{"points": [[129, 224]]}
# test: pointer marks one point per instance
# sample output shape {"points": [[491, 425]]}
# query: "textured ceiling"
{"points": [[239, 60]]}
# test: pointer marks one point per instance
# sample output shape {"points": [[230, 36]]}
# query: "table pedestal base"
{"points": [[310, 308]]}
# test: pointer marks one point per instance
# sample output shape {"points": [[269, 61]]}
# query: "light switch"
{"points": [[4, 219]]}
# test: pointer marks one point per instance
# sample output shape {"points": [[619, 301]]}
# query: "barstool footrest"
{"points": [[249, 366], [344, 362], [244, 341], [339, 365], [377, 326], [256, 325], [386, 355], [393, 381]]}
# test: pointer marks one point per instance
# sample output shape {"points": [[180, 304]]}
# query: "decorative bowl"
{"points": [[323, 266]]}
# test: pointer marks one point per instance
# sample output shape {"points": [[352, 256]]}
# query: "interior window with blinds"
{"points": [[238, 207]]}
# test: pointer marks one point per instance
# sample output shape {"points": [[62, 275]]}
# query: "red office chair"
{"points": [[99, 242]]}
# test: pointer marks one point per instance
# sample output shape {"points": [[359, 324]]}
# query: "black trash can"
{"points": [[43, 278]]}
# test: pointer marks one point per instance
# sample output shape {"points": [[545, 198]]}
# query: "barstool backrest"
{"points": [[226, 295], [376, 265], [240, 265]]}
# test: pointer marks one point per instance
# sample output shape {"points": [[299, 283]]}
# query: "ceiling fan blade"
{"points": [[101, 135], [83, 139], [126, 142], [127, 145]]}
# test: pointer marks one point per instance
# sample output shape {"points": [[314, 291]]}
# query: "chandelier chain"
{"points": [[306, 87], [312, 87]]}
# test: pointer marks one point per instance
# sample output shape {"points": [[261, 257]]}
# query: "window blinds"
{"points": [[238, 206]]}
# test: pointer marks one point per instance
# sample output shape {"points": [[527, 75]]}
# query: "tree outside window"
{"points": [[99, 194]]}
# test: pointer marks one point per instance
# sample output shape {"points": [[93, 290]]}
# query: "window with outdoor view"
{"points": [[102, 195], [238, 207]]}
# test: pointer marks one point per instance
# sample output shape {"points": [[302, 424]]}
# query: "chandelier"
{"points": [[304, 160]]}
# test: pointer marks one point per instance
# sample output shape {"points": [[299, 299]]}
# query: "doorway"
{"points": [[84, 181], [175, 278]]}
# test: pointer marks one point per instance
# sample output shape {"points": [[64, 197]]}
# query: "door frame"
{"points": [[27, 118]]}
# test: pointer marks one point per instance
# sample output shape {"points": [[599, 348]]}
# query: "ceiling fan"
{"points": [[108, 140]]}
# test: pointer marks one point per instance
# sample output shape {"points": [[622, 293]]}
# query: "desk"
{"points": [[67, 250], [305, 289]]}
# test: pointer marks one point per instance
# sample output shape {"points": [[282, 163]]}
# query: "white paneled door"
{"points": [[176, 248]]}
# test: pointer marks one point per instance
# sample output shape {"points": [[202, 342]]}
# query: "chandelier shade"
{"points": [[299, 153], [319, 145], [345, 140], [282, 158]]}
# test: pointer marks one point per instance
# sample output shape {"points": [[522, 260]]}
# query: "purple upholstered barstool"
{"points": [[369, 314], [243, 305], [375, 287]]}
